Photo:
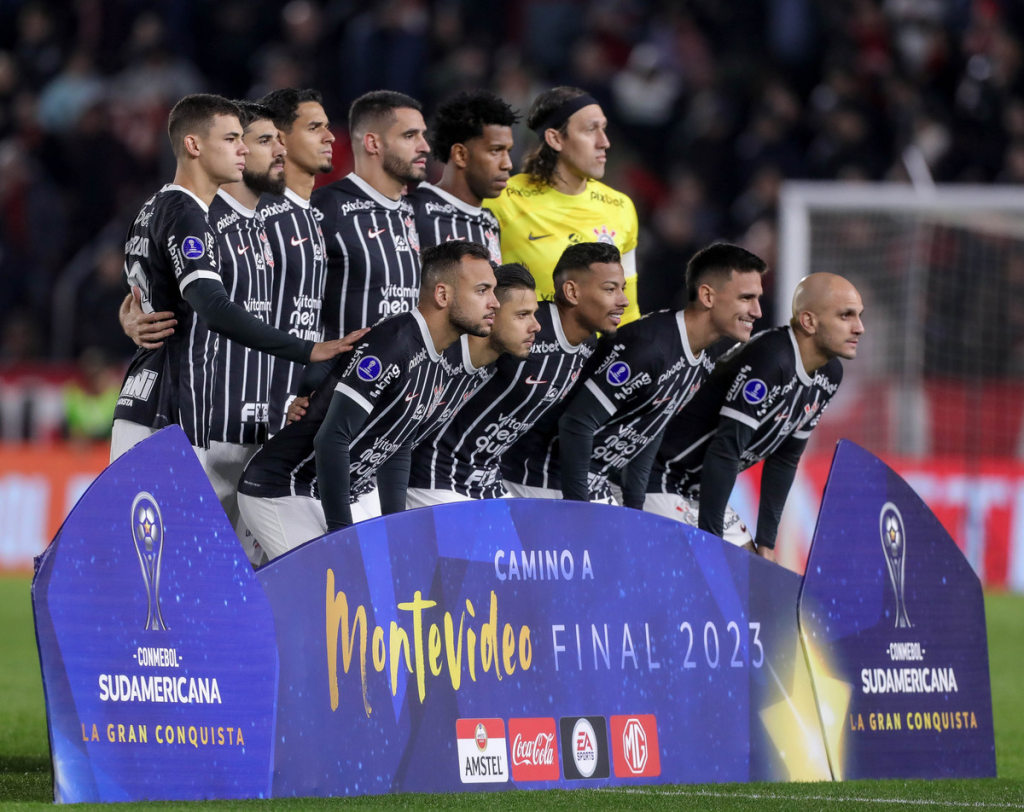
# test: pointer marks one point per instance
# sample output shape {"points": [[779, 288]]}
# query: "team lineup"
{"points": [[360, 349]]}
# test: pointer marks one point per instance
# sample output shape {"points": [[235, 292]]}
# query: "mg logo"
{"points": [[634, 746]]}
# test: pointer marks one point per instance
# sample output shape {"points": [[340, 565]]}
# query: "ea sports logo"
{"points": [[584, 747]]}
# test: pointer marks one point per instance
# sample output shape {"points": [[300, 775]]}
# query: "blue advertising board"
{"points": [[534, 643], [156, 641], [893, 619]]}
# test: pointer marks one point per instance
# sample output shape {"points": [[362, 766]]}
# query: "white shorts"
{"points": [[125, 435], [674, 506], [224, 465], [282, 523], [425, 497], [530, 492]]}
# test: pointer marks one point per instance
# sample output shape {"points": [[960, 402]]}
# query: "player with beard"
{"points": [[472, 137], [373, 265], [761, 403], [361, 423], [648, 370], [559, 200], [170, 255], [505, 414], [295, 236], [514, 332]]}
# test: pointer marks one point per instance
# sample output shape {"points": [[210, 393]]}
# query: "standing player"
{"points": [[466, 457], [472, 137], [644, 373], [170, 255], [300, 264], [559, 199], [372, 245], [361, 422], [760, 403]]}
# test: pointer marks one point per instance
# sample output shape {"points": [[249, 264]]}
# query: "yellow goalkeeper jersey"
{"points": [[538, 223]]}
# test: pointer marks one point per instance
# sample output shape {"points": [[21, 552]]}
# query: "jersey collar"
{"points": [[462, 205], [428, 342], [372, 193], [801, 373], [467, 361], [233, 203], [691, 359], [301, 202], [173, 187], [556, 321]]}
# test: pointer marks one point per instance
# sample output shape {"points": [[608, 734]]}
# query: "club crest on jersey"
{"points": [[413, 234], [493, 246], [604, 235], [369, 368], [754, 391], [618, 373], [192, 248]]}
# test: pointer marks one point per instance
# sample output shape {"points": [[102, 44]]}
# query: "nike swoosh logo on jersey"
{"points": [[410, 397], [538, 237], [661, 400], [530, 380], [374, 234], [297, 242], [241, 250]]}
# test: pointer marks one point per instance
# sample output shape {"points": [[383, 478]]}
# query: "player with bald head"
{"points": [[761, 403]]}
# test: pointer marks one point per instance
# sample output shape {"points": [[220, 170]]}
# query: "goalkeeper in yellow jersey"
{"points": [[558, 200]]}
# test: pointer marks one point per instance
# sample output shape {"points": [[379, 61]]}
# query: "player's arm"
{"points": [[718, 475], [147, 330], [637, 472], [393, 480], [345, 417], [776, 480]]}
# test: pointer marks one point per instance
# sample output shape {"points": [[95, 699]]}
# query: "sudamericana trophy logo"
{"points": [[148, 534], [894, 543]]}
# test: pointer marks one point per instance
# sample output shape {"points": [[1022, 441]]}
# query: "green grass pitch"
{"points": [[26, 783]]}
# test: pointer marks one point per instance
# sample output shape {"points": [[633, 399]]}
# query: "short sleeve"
{"points": [[190, 245], [626, 371], [377, 367], [755, 385]]}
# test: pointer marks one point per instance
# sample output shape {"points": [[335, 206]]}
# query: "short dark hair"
{"points": [[717, 261], [376, 107], [250, 111], [580, 257], [513, 276], [284, 105], [440, 262], [194, 114], [463, 118], [540, 163]]}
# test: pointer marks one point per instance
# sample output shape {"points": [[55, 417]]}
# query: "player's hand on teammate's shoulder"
{"points": [[297, 409], [147, 330], [325, 350]]}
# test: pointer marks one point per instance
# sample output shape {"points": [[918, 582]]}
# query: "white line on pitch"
{"points": [[755, 796]]}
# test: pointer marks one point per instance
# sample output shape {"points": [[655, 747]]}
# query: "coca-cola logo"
{"points": [[540, 750], [534, 751]]}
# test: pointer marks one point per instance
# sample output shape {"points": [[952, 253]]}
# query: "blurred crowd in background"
{"points": [[711, 104]]}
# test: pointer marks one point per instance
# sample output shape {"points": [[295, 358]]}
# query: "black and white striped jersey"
{"points": [[464, 379], [171, 245], [639, 377], [761, 384], [241, 388], [300, 272], [373, 255], [467, 455], [395, 375], [441, 217]]}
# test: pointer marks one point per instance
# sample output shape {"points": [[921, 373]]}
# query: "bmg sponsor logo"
{"points": [[635, 746], [482, 755], [534, 752], [584, 747]]}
